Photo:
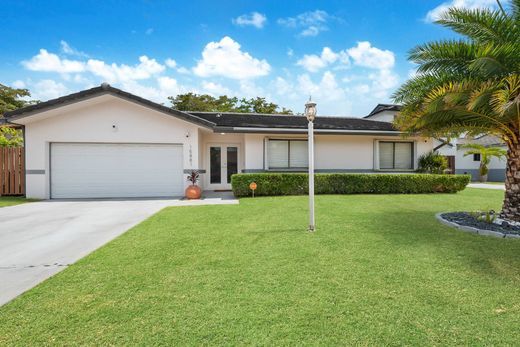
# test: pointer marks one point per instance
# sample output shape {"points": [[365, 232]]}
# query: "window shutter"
{"points": [[299, 157], [403, 155], [386, 155], [278, 154]]}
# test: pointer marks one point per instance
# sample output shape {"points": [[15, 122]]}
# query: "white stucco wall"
{"points": [[467, 162], [384, 116], [92, 121], [332, 152]]}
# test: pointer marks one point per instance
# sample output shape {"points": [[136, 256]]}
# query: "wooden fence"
{"points": [[12, 171]]}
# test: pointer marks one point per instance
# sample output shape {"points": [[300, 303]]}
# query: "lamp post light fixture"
{"points": [[310, 113]]}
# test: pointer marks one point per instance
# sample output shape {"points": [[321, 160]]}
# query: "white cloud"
{"points": [[113, 73], [435, 13], [224, 58], [249, 89], [50, 62], [48, 89], [310, 23], [254, 19], [18, 84], [366, 55], [183, 70], [170, 63], [165, 87], [215, 89], [68, 49], [313, 62], [383, 82], [290, 52]]}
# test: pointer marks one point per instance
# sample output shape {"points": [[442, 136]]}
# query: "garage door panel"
{"points": [[116, 170]]}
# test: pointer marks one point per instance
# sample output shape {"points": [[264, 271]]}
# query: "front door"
{"points": [[223, 162]]}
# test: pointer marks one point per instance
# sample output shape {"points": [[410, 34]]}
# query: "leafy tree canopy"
{"points": [[11, 99], [224, 103]]}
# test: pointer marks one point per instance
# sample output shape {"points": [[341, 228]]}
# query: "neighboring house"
{"points": [[470, 164], [384, 113], [104, 142]]}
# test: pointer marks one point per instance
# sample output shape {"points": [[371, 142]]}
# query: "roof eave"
{"points": [[256, 130], [99, 91]]}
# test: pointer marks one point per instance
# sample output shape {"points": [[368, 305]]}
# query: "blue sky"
{"points": [[349, 55]]}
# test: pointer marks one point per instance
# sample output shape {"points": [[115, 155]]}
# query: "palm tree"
{"points": [[470, 85], [485, 153]]}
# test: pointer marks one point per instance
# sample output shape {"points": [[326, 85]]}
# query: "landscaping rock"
{"points": [[469, 223]]}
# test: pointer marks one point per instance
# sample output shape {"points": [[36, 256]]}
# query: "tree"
{"points": [[485, 153], [224, 103], [470, 85], [11, 99]]}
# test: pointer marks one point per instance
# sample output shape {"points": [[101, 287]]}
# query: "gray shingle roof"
{"points": [[219, 122], [273, 121], [383, 107]]}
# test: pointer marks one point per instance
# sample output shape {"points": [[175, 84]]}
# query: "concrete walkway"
{"points": [[487, 186], [39, 239]]}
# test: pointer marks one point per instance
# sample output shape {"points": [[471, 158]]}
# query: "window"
{"points": [[476, 157], [287, 154], [395, 155]]}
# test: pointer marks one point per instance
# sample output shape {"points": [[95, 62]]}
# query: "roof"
{"points": [[484, 140], [220, 122], [97, 91], [240, 122], [383, 107]]}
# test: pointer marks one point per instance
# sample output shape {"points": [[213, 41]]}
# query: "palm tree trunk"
{"points": [[511, 207]]}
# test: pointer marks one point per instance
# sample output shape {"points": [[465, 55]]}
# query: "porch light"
{"points": [[310, 113]]}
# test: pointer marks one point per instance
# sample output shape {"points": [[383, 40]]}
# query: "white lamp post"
{"points": [[310, 113]]}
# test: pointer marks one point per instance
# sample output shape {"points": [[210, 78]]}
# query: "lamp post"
{"points": [[310, 113]]}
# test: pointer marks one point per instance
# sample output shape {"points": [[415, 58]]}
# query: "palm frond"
{"points": [[515, 10], [480, 25], [446, 56]]}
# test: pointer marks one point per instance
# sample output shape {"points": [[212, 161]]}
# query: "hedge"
{"points": [[271, 184]]}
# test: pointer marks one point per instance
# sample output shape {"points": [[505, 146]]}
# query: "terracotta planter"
{"points": [[193, 192]]}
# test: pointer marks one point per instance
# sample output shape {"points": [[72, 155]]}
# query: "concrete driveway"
{"points": [[40, 239]]}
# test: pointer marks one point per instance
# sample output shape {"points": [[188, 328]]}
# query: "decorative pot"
{"points": [[193, 192], [483, 178]]}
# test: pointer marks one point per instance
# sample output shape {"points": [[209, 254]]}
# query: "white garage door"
{"points": [[99, 170]]}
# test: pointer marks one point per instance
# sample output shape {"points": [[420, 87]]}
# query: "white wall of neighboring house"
{"points": [[466, 165], [446, 150], [92, 120], [384, 116]]}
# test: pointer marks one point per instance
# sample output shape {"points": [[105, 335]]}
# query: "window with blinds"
{"points": [[395, 155], [287, 154]]}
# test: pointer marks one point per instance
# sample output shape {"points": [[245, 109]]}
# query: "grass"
{"points": [[12, 200], [380, 270]]}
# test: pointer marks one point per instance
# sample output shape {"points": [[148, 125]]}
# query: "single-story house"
{"points": [[104, 142]]}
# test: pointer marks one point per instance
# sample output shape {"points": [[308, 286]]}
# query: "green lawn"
{"points": [[379, 271], [12, 200]]}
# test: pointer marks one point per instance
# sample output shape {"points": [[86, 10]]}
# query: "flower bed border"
{"points": [[474, 230]]}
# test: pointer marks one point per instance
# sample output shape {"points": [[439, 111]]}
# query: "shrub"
{"points": [[340, 183], [432, 163]]}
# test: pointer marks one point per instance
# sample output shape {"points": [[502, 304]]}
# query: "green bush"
{"points": [[271, 184], [432, 162]]}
